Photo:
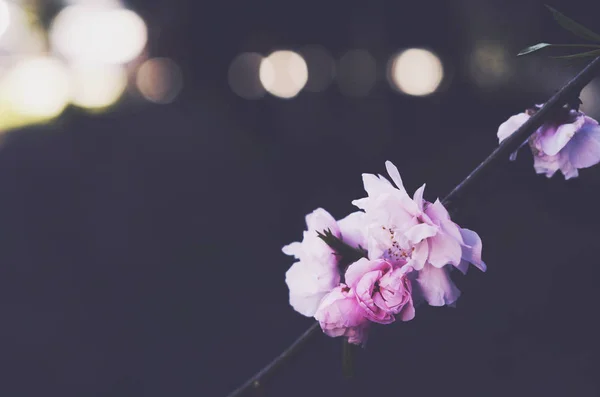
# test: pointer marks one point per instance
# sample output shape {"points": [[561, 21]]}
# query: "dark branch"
{"points": [[566, 94], [257, 380]]}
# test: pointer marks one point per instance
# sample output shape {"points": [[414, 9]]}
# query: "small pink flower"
{"points": [[381, 290], [316, 272], [340, 314], [401, 229], [569, 142]]}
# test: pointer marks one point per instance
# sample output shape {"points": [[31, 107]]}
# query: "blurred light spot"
{"points": [[590, 98], [489, 64], [356, 73], [416, 72], [98, 34], [283, 74], [96, 86], [159, 80], [321, 68], [115, 3], [243, 76], [21, 36], [37, 87], [4, 17]]}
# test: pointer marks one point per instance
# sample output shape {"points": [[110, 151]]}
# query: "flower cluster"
{"points": [[399, 253], [570, 140]]}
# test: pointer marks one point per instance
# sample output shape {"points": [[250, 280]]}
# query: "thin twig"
{"points": [[256, 380], [567, 93]]}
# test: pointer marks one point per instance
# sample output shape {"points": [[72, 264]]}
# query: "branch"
{"points": [[566, 94], [256, 381]]}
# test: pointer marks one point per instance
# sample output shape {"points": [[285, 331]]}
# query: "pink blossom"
{"points": [[401, 229], [340, 314], [381, 290], [404, 230], [568, 142], [316, 272]]}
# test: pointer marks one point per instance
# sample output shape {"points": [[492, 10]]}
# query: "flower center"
{"points": [[376, 287], [395, 252]]}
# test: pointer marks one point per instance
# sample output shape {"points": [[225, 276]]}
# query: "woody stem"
{"points": [[565, 95]]}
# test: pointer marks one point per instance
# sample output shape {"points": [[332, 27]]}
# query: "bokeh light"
{"points": [[36, 87], [159, 80], [356, 73], [283, 74], [243, 76], [98, 34], [21, 36], [416, 72], [4, 17], [590, 98], [321, 68], [490, 64], [97, 86]]}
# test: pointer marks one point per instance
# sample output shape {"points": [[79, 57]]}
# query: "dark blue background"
{"points": [[140, 249]]}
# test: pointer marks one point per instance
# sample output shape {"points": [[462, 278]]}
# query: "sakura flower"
{"points": [[401, 229], [404, 230], [568, 142], [381, 290], [340, 314], [317, 270]]}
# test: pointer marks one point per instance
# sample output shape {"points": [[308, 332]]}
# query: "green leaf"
{"points": [[348, 254], [573, 26], [541, 46], [533, 48], [586, 54]]}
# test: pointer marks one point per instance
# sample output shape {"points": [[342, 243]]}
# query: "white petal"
{"points": [[507, 128], [436, 287], [418, 197], [553, 139], [353, 229], [394, 174]]}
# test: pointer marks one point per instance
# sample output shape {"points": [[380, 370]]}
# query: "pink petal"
{"points": [[546, 165], [358, 335], [353, 230], [394, 174], [418, 197], [584, 148], [463, 266], [408, 312], [418, 233], [361, 267], [320, 220], [440, 216], [471, 251], [308, 282], [339, 309], [419, 255], [443, 250], [293, 249], [507, 128], [436, 286], [374, 185], [553, 139], [306, 305]]}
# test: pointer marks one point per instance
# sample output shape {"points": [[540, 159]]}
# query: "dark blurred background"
{"points": [[141, 225]]}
